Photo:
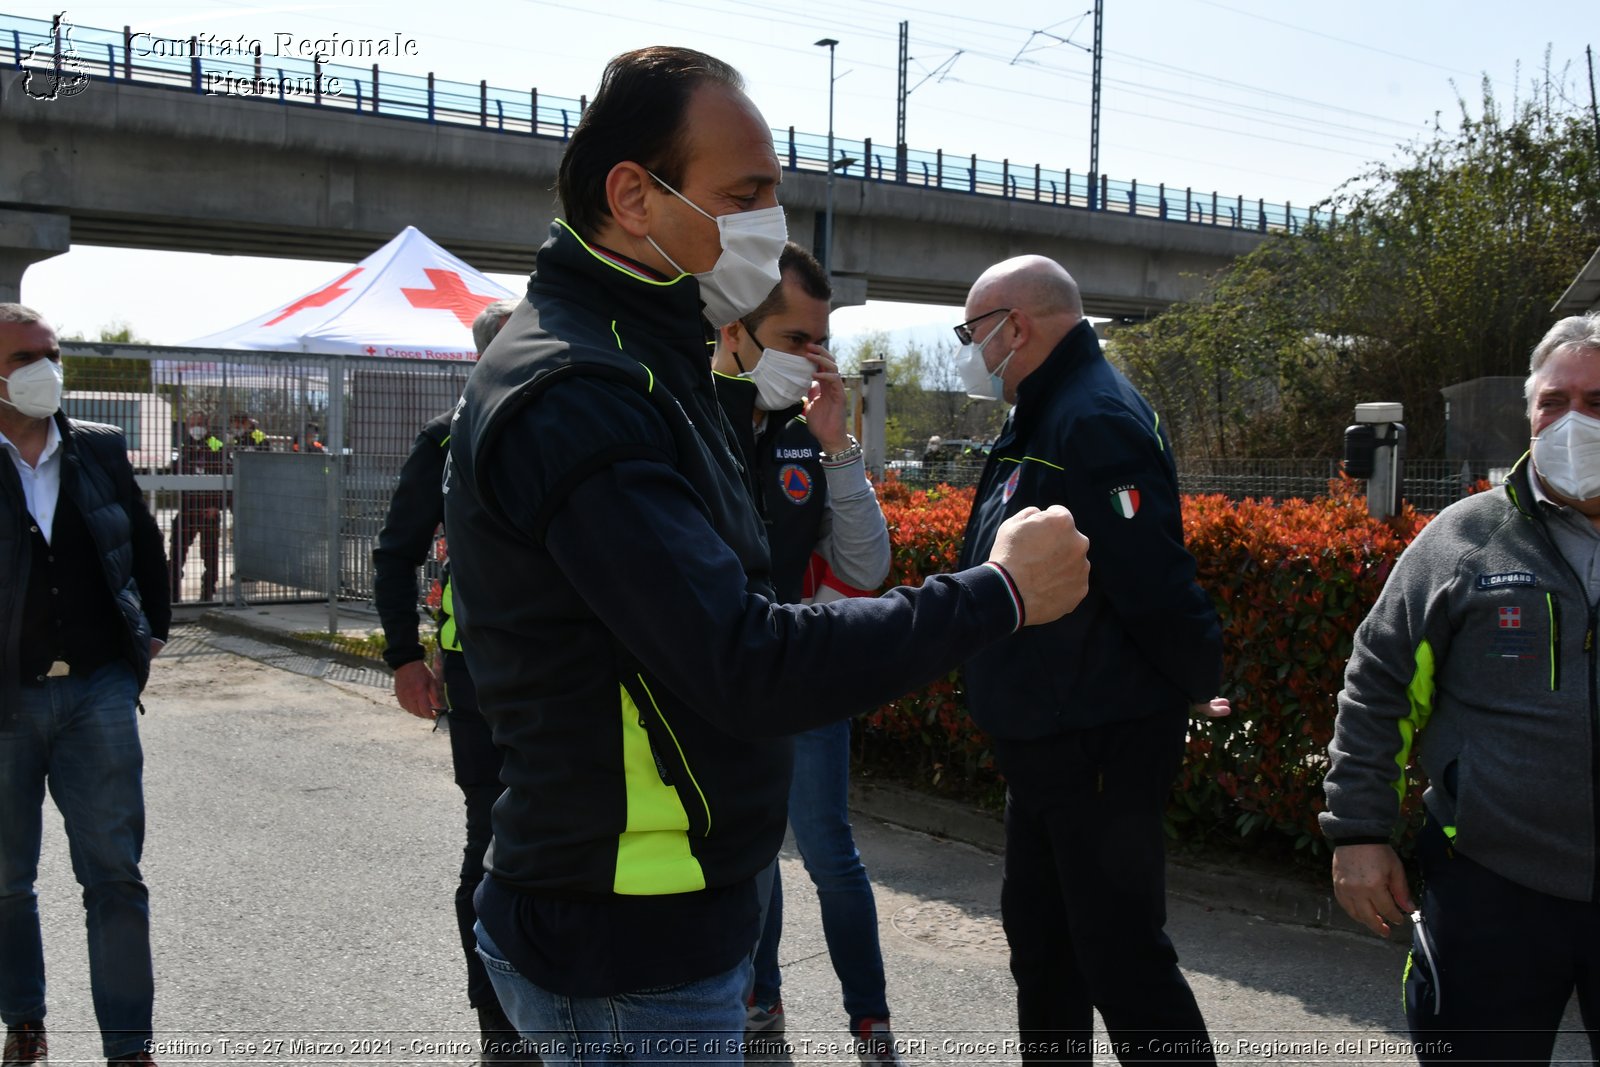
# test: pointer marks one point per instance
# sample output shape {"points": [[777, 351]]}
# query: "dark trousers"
{"points": [[477, 768], [1084, 896], [1508, 960], [185, 527]]}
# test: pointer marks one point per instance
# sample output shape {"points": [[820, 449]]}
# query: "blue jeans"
{"points": [[79, 736], [819, 815], [700, 1021]]}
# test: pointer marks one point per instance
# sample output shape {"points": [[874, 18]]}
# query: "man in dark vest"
{"points": [[612, 584], [83, 603]]}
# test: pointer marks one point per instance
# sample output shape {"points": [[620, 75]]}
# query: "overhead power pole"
{"points": [[900, 117], [1594, 111], [832, 45], [1094, 110]]}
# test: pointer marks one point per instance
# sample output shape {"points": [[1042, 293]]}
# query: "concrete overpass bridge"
{"points": [[220, 154]]}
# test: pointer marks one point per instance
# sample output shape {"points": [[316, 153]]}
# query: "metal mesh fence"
{"points": [[270, 474], [1277, 478], [1430, 485], [923, 474]]}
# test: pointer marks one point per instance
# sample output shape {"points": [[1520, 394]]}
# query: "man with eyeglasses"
{"points": [[1088, 715]]}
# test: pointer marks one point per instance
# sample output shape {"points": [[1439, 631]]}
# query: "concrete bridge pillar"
{"points": [[849, 290], [26, 237]]}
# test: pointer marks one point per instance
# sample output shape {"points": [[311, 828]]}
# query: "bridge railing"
{"points": [[211, 67]]}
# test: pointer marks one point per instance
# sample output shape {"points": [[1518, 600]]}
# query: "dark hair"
{"points": [[637, 114], [799, 264]]}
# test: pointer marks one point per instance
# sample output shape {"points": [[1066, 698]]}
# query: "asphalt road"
{"points": [[302, 846]]}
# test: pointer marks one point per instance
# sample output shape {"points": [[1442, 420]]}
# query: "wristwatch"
{"points": [[846, 455]]}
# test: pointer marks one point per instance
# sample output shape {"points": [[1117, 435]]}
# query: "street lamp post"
{"points": [[827, 227]]}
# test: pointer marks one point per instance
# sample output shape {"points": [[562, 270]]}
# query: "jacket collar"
{"points": [[572, 269], [56, 437], [1523, 491], [738, 395], [1079, 348], [1519, 487]]}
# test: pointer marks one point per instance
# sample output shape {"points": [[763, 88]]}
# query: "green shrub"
{"points": [[1291, 581]]}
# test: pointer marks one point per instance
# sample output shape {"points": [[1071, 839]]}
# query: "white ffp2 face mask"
{"points": [[35, 389], [982, 383], [1567, 456], [747, 271]]}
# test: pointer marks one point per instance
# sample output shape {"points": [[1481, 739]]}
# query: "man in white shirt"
{"points": [[83, 608]]}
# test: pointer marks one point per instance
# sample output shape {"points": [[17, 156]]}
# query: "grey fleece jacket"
{"points": [[1481, 649]]}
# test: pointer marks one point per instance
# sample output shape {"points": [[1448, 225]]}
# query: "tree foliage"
{"points": [[925, 394], [1419, 275], [107, 372]]}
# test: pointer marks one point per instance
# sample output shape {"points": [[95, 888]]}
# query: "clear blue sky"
{"points": [[1249, 97]]}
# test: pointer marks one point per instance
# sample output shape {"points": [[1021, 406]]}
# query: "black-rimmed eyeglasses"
{"points": [[964, 331]]}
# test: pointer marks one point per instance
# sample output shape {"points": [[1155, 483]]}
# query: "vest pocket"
{"points": [[666, 753]]}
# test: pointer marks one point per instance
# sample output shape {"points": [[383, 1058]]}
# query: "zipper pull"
{"points": [[1588, 640], [661, 767]]}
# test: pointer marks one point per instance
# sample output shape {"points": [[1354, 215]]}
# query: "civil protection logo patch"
{"points": [[1011, 485], [796, 482], [1125, 500]]}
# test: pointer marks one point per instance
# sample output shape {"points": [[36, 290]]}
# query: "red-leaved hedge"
{"points": [[1291, 580]]}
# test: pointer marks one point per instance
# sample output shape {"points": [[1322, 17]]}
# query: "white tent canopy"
{"points": [[410, 299]]}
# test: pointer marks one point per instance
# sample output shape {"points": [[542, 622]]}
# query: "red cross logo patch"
{"points": [[1510, 618]]}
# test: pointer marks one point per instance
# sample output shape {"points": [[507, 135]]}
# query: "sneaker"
{"points": [[764, 1018], [875, 1044], [25, 1043]]}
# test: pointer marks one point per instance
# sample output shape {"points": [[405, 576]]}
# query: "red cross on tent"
{"points": [[321, 298], [449, 294], [410, 299]]}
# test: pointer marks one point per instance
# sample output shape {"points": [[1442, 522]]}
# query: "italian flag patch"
{"points": [[1125, 501]]}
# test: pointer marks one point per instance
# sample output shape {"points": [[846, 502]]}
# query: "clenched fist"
{"points": [[1048, 559]]}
